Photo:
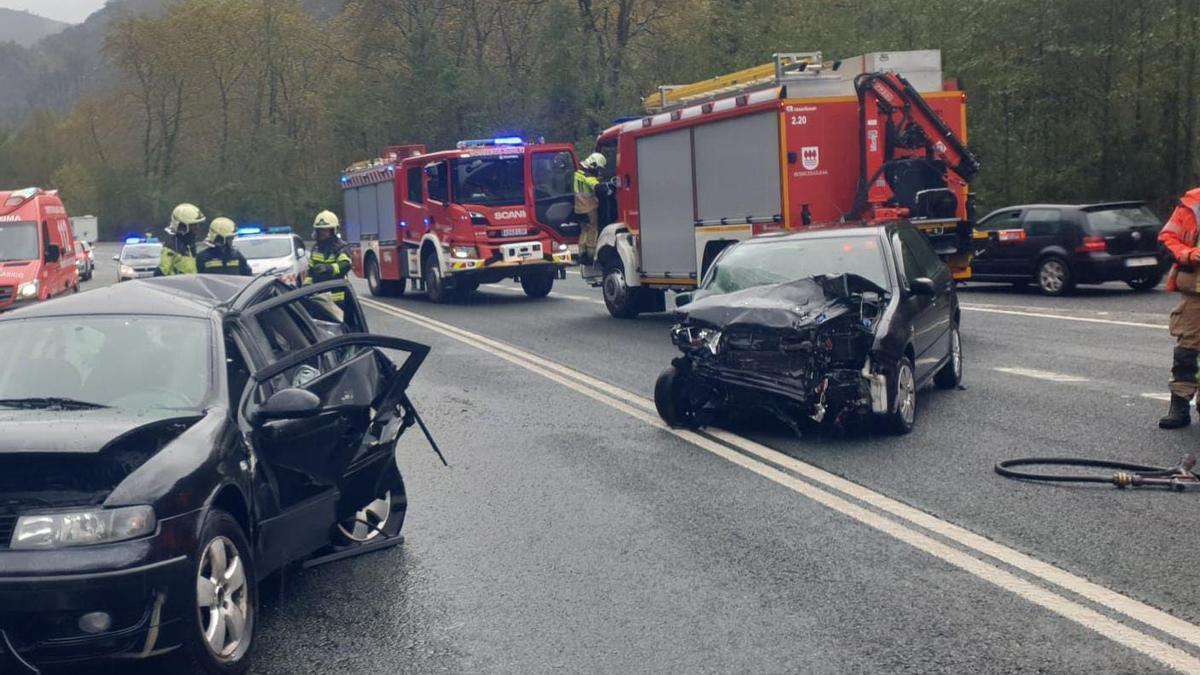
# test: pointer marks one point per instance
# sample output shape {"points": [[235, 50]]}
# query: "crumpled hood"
{"points": [[77, 431], [790, 305]]}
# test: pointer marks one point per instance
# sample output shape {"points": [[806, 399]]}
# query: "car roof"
{"points": [[1073, 207], [190, 295]]}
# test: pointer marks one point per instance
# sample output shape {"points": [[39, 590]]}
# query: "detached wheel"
{"points": [[537, 284], [903, 391], [619, 298], [1054, 276], [950, 376], [435, 285], [383, 515], [226, 598], [378, 286], [1146, 283], [672, 400]]}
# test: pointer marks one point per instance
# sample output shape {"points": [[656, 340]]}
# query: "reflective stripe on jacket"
{"points": [[585, 192], [222, 260], [172, 262], [330, 259]]}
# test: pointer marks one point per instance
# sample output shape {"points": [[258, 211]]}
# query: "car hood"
{"points": [[789, 305], [80, 431], [260, 265]]}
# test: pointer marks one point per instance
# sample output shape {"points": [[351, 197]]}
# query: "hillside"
{"points": [[26, 29]]}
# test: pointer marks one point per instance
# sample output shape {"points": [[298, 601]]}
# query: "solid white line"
{"points": [[1041, 374], [1061, 317], [553, 294], [642, 409], [1157, 397]]}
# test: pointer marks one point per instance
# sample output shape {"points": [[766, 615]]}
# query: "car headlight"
{"points": [[28, 289], [127, 271], [698, 337], [81, 528], [464, 251]]}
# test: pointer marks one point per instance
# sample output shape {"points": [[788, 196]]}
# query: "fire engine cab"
{"points": [[799, 141], [37, 249], [488, 210]]}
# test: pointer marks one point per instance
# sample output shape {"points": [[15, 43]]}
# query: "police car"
{"points": [[274, 248], [138, 259]]}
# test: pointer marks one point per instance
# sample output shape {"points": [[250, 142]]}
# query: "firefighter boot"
{"points": [[1178, 416]]}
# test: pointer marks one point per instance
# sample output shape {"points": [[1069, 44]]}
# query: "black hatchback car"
{"points": [[1058, 246], [829, 324], [165, 444]]}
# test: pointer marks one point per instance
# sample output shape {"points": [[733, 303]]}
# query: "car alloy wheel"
{"points": [[369, 522], [222, 598], [906, 394], [1052, 276]]}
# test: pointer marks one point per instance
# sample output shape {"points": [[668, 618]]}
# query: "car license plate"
{"points": [[144, 275], [1148, 261], [513, 232]]}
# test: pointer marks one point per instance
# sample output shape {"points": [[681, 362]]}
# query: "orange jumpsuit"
{"points": [[1179, 236]]}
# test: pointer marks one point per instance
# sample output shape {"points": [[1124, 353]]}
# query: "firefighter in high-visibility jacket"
{"points": [[1179, 236], [587, 204], [179, 250], [220, 257], [330, 257]]}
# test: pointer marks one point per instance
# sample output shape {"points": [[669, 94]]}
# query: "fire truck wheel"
{"points": [[619, 298], [537, 284], [435, 287], [378, 286]]}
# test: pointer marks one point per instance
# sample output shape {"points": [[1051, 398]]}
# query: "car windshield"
{"points": [[1120, 219], [489, 181], [136, 253], [18, 241], [134, 362], [261, 248], [762, 262]]}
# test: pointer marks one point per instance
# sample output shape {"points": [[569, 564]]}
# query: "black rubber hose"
{"points": [[1005, 469]]}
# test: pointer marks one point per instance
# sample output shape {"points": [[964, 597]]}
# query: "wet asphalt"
{"points": [[568, 535]]}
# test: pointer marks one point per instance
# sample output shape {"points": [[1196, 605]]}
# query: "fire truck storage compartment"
{"points": [[737, 169], [667, 209], [370, 212], [353, 223]]}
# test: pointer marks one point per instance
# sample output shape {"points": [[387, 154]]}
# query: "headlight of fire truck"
{"points": [[28, 289], [464, 251]]}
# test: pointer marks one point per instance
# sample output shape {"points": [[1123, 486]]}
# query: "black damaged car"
{"points": [[166, 444], [835, 325]]}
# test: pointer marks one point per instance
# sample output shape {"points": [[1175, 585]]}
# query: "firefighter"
{"points": [[179, 250], [1179, 236], [330, 257], [221, 257], [587, 204]]}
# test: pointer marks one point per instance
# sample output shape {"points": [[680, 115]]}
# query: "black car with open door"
{"points": [[166, 444]]}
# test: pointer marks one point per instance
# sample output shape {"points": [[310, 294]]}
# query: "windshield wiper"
{"points": [[49, 403]]}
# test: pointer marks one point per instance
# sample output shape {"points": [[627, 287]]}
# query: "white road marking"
{"points": [[1041, 374], [643, 410], [1060, 317], [554, 294], [1157, 397]]}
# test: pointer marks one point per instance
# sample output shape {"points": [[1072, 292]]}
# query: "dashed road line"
{"points": [[853, 500], [1047, 375], [1061, 317]]}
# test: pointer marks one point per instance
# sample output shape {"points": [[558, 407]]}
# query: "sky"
{"points": [[71, 11]]}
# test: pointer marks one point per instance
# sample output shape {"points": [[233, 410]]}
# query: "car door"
{"points": [[932, 315], [1043, 229], [437, 202], [998, 255]]}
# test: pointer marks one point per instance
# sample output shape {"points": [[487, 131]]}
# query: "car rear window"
{"points": [[1120, 219]]}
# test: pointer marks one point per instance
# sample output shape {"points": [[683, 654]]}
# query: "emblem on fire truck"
{"points": [[810, 157]]}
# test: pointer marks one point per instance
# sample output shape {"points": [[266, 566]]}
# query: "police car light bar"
{"points": [[280, 229], [486, 142], [133, 239], [243, 231]]}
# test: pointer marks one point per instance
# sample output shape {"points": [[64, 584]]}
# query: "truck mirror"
{"points": [[52, 253]]}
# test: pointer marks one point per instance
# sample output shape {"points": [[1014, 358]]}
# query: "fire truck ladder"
{"points": [[776, 73]]}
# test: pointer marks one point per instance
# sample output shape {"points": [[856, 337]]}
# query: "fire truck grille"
{"points": [[7, 525]]}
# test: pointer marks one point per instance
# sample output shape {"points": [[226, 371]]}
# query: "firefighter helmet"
{"points": [[594, 161], [221, 231], [184, 218], [326, 220]]}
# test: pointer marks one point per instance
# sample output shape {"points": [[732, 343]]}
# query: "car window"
{"points": [[1042, 222], [1001, 221], [920, 260], [1117, 219]]}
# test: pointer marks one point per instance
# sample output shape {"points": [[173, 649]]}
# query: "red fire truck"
{"points": [[37, 250], [488, 210], [794, 142]]}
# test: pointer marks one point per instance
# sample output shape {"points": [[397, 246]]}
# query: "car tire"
{"points": [[221, 531], [537, 284], [619, 298], [902, 403], [1054, 276], [671, 399], [435, 285], [383, 516], [1146, 283], [380, 287], [950, 376]]}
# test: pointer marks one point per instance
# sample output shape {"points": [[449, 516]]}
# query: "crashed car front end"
{"points": [[798, 350]]}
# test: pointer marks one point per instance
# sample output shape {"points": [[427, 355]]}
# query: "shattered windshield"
{"points": [[489, 181], [135, 362], [18, 241], [758, 263]]}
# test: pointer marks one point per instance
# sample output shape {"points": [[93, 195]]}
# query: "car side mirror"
{"points": [[301, 253], [117, 258], [922, 286], [52, 253], [683, 299], [288, 404]]}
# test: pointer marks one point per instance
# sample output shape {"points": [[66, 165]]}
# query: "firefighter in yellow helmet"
{"points": [[330, 257], [587, 204], [179, 249], [220, 257]]}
